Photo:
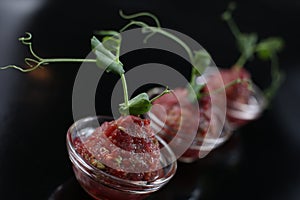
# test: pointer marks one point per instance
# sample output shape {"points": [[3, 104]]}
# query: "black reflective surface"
{"points": [[261, 161]]}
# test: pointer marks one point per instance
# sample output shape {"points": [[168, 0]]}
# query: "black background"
{"points": [[261, 160]]}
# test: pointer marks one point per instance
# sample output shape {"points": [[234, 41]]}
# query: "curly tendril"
{"points": [[26, 41], [198, 65], [153, 30], [30, 62], [37, 61], [141, 14]]}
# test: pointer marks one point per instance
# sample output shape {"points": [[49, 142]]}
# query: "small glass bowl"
{"points": [[200, 146], [239, 114], [219, 131], [101, 185]]}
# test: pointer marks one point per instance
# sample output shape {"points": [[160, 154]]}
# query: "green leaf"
{"points": [[108, 32], [247, 44], [105, 59], [108, 64], [273, 88], [268, 47], [197, 88], [111, 40], [111, 43], [140, 104], [166, 91], [201, 60], [98, 46]]}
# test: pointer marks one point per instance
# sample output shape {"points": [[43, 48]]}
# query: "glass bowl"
{"points": [[240, 109], [239, 114], [101, 185], [188, 145], [201, 144]]}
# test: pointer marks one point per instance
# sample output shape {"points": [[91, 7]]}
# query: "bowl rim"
{"points": [[248, 111]]}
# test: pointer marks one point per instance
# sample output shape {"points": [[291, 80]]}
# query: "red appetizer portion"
{"points": [[236, 82], [240, 89], [126, 148], [180, 119], [240, 98], [245, 102], [119, 160], [178, 111]]}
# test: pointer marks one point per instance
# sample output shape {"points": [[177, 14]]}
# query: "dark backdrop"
{"points": [[261, 161]]}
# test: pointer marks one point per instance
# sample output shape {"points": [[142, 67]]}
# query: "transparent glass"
{"points": [[238, 114], [201, 144], [101, 185]]}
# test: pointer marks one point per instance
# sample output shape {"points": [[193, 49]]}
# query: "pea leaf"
{"points": [[105, 59], [98, 46], [108, 32], [197, 88], [107, 64], [268, 47], [247, 43], [201, 60], [111, 43], [140, 104], [111, 40]]}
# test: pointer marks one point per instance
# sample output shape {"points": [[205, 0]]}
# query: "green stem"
{"points": [[233, 27], [276, 78], [179, 41], [166, 91], [189, 52], [41, 62], [172, 37], [124, 84], [52, 60], [218, 90], [227, 16], [241, 61], [193, 76], [153, 30], [165, 33]]}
